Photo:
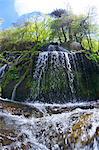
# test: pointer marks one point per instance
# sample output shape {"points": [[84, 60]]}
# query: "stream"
{"points": [[39, 126], [61, 109]]}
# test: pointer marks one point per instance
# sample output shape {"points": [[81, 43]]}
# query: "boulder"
{"points": [[75, 46]]}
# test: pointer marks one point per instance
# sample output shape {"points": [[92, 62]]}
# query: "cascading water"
{"points": [[40, 126], [2, 70], [49, 127], [58, 76], [54, 61], [70, 74], [64, 76], [40, 67]]}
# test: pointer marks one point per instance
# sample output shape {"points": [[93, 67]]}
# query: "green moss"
{"points": [[11, 75], [29, 83]]}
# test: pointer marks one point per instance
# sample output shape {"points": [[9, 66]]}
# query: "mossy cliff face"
{"points": [[54, 85], [19, 76], [19, 83]]}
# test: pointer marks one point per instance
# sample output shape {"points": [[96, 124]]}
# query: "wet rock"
{"points": [[17, 108], [58, 129]]}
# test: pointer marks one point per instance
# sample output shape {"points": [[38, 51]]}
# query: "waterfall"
{"points": [[70, 74], [64, 76], [2, 70], [40, 68], [55, 61]]}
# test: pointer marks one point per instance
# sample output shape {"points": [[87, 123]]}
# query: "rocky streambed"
{"points": [[38, 126]]}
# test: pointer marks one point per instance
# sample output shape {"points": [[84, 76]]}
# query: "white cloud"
{"points": [[78, 6], [25, 6], [81, 6]]}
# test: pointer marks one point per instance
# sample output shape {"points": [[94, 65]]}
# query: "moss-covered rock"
{"points": [[19, 76], [54, 85]]}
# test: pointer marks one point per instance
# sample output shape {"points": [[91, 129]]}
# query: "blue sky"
{"points": [[10, 10]]}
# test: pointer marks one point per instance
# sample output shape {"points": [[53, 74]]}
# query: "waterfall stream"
{"points": [[60, 120], [2, 70], [54, 60], [64, 76]]}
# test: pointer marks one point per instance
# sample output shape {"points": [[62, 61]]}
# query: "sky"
{"points": [[46, 6], [10, 10]]}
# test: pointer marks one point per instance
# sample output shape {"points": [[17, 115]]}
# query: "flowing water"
{"points": [[66, 76], [54, 60], [52, 127], [61, 76], [2, 70]]}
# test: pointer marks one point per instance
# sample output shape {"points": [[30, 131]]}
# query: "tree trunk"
{"points": [[59, 38], [16, 86], [65, 38], [70, 35]]}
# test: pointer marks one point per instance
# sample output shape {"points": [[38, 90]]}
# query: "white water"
{"points": [[49, 132], [70, 75], [55, 60], [2, 70], [54, 129], [40, 68]]}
